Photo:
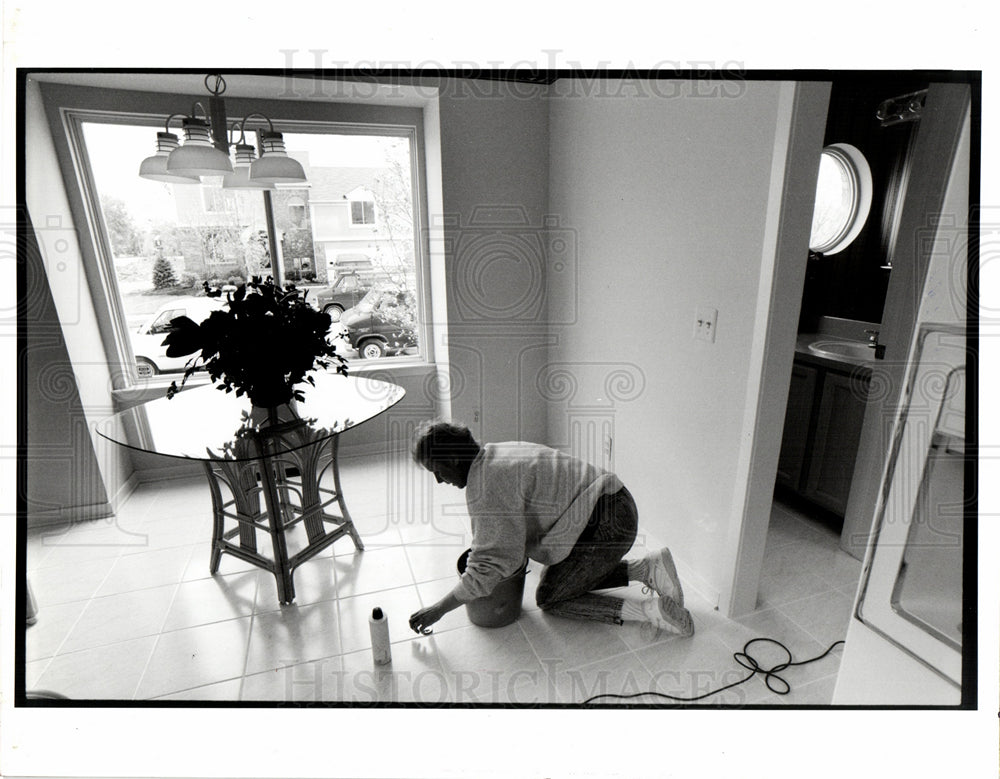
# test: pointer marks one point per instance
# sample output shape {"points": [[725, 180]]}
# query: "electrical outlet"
{"points": [[475, 417], [705, 323]]}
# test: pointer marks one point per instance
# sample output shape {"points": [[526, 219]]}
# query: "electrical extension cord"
{"points": [[744, 659]]}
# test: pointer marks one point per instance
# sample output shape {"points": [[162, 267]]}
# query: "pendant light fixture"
{"points": [[199, 155], [274, 165], [240, 177], [205, 151], [154, 168]]}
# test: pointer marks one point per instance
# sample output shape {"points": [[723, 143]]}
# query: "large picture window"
{"points": [[164, 241]]}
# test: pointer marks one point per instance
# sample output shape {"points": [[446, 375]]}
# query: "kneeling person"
{"points": [[526, 500]]}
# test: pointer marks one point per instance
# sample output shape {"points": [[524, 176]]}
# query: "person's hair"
{"points": [[440, 440]]}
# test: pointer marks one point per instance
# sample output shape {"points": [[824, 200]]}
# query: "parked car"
{"points": [[345, 292], [147, 342], [383, 323]]}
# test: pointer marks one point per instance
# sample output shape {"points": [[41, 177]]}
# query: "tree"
{"points": [[393, 192], [126, 240], [163, 274]]}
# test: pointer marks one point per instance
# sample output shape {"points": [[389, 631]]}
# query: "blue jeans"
{"points": [[595, 563]]}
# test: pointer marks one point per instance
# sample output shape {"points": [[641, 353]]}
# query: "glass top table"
{"points": [[272, 473], [208, 424]]}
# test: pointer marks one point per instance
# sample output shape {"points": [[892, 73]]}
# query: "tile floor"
{"points": [[128, 611]]}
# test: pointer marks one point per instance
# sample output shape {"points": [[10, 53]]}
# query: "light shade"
{"points": [[198, 156], [274, 165], [155, 168], [240, 177]]}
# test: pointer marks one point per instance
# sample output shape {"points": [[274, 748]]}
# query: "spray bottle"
{"points": [[378, 625]]}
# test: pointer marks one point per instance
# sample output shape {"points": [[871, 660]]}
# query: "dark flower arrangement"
{"points": [[262, 345]]}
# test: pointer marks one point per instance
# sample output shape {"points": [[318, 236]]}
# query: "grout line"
{"points": [[67, 634], [41, 675], [551, 682], [246, 653], [145, 668], [822, 642], [198, 687]]}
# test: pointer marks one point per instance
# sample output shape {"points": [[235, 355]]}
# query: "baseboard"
{"points": [[690, 579], [370, 449], [193, 468], [693, 582], [168, 472], [124, 492], [68, 515]]}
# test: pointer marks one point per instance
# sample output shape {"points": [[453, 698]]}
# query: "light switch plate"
{"points": [[705, 324]]}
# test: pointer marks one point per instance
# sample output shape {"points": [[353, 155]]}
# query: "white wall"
{"points": [[668, 197], [72, 473], [494, 167]]}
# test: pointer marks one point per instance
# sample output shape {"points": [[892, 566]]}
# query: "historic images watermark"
{"points": [[553, 681], [510, 79]]}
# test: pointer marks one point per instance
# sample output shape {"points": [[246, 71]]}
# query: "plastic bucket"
{"points": [[503, 605]]}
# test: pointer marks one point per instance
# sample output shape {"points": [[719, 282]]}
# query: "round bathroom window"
{"points": [[843, 198]]}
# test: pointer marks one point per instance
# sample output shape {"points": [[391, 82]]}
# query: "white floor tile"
{"points": [[221, 691], [818, 692], [215, 599], [106, 673], [609, 679], [91, 541], [145, 570], [825, 617], [489, 662], [44, 638], [373, 570], [316, 681], [293, 635], [691, 668], [436, 558], [315, 580], [565, 643], [415, 675], [196, 656], [115, 618], [201, 555], [64, 584]]}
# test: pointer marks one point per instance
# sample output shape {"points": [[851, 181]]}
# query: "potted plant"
{"points": [[262, 345]]}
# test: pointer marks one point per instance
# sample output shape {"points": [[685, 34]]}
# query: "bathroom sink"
{"points": [[853, 350]]}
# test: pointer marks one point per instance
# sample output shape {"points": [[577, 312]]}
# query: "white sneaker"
{"points": [[661, 576], [663, 613]]}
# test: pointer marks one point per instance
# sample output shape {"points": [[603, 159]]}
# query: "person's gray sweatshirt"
{"points": [[525, 501]]}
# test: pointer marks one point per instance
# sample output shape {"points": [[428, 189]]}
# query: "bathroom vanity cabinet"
{"points": [[825, 412]]}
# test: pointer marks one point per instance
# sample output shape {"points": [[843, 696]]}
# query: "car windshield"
{"points": [[374, 296], [367, 303]]}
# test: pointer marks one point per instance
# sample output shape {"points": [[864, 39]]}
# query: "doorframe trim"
{"points": [[795, 169]]}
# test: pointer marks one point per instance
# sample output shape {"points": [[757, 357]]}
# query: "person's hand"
{"points": [[421, 621]]}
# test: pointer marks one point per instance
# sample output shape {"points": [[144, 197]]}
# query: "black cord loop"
{"points": [[747, 661]]}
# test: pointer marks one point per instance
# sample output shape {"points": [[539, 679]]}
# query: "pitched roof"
{"points": [[328, 184]]}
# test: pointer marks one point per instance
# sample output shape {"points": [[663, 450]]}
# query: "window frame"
{"points": [[69, 106], [859, 177], [374, 212]]}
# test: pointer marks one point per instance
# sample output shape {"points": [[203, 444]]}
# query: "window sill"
{"points": [[386, 370]]}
